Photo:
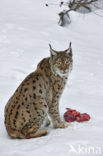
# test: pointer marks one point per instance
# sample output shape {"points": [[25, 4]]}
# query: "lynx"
{"points": [[26, 113]]}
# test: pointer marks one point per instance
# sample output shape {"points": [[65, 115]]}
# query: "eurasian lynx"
{"points": [[26, 113]]}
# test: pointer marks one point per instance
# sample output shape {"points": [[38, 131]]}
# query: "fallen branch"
{"points": [[74, 5]]}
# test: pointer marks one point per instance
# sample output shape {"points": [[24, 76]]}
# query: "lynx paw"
{"points": [[62, 124]]}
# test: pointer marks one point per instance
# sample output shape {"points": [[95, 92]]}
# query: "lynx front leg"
{"points": [[54, 113]]}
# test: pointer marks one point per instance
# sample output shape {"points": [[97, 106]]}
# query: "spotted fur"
{"points": [[26, 113]]}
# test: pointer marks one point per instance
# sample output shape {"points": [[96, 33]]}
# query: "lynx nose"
{"points": [[64, 71]]}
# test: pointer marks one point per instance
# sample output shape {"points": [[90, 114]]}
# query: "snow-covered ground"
{"points": [[26, 28]]}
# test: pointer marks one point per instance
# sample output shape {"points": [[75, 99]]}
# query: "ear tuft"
{"points": [[69, 50], [50, 46], [70, 45], [53, 52]]}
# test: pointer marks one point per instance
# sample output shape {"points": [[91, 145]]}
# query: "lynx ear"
{"points": [[53, 52], [69, 50]]}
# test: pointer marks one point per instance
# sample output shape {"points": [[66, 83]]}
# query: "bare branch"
{"points": [[74, 5]]}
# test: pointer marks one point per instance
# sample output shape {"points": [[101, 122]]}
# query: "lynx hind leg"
{"points": [[32, 134], [15, 134], [39, 133], [35, 132]]}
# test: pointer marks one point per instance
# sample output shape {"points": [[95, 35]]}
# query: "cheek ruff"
{"points": [[64, 73]]}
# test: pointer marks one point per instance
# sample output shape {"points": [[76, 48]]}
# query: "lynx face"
{"points": [[61, 62]]}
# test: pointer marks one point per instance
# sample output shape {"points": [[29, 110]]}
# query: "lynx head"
{"points": [[61, 61]]}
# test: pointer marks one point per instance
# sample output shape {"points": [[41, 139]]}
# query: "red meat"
{"points": [[72, 115], [83, 117]]}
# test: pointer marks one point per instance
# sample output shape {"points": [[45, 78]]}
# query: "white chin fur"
{"points": [[58, 72], [61, 74]]}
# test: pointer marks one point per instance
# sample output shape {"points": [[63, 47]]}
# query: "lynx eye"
{"points": [[67, 62]]}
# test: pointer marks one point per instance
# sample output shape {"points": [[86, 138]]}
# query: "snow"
{"points": [[26, 29]]}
